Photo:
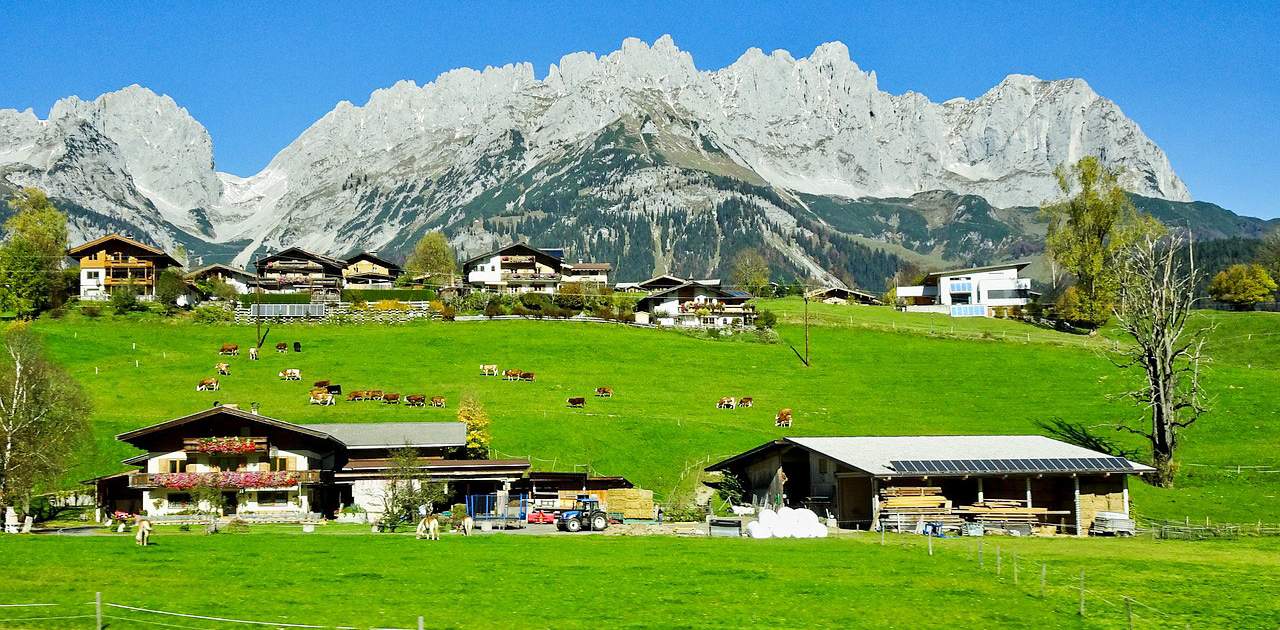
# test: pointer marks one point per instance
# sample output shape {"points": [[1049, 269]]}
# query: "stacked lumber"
{"points": [[1003, 511], [902, 507]]}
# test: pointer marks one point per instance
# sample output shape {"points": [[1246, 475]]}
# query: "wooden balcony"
{"points": [[192, 445], [153, 480]]}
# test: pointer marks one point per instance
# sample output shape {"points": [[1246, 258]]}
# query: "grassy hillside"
{"points": [[542, 581], [865, 379]]}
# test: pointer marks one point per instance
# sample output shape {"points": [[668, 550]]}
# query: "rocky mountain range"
{"points": [[635, 157]]}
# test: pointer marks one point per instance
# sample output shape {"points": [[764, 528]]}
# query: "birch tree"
{"points": [[1154, 304], [42, 417]]}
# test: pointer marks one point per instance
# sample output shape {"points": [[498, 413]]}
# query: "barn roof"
{"points": [[942, 455], [196, 273], [394, 434]]}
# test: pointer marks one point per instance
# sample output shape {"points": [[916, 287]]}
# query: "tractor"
{"points": [[586, 514]]}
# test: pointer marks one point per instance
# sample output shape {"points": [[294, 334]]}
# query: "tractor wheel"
{"points": [[599, 522], [574, 525]]}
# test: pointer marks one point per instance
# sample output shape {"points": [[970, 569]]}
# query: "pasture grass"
{"points": [[662, 427]]}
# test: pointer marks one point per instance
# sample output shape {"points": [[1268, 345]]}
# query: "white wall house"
{"points": [[969, 292], [693, 305], [520, 268]]}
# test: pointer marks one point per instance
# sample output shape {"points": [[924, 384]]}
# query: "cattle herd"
{"points": [[325, 393]]}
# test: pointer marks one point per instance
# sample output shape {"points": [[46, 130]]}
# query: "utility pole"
{"points": [[805, 288]]}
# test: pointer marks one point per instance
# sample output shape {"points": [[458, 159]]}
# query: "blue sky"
{"points": [[1201, 79]]}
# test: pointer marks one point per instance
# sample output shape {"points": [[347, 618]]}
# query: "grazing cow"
{"points": [[511, 375], [373, 394], [577, 401], [783, 419], [526, 376], [391, 399], [282, 347], [207, 385], [468, 524], [355, 395], [415, 400], [229, 349], [321, 397], [725, 403], [745, 401], [437, 401], [297, 346], [253, 353], [318, 384], [488, 369], [291, 374], [604, 392], [223, 369]]}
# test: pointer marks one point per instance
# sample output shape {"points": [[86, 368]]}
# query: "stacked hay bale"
{"points": [[634, 503]]}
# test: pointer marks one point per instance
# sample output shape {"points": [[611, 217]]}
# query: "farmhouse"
{"points": [[370, 271], [695, 305], [1028, 481], [970, 292], [271, 468], [239, 279], [296, 270], [115, 261], [521, 268], [841, 295]]}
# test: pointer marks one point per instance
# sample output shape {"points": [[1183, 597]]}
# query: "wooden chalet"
{"points": [[113, 262], [296, 270]]}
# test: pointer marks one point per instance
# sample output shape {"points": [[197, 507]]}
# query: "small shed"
{"points": [[872, 482]]}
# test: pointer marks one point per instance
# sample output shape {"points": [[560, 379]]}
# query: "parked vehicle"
{"points": [[586, 514]]}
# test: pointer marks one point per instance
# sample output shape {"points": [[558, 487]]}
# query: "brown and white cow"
{"points": [[282, 347], [207, 385], [488, 369], [783, 419], [373, 394], [415, 400], [526, 376], [391, 398], [577, 401], [291, 374], [355, 395], [745, 401], [229, 349], [223, 368], [511, 375], [604, 392], [725, 403], [437, 401], [321, 397], [319, 384]]}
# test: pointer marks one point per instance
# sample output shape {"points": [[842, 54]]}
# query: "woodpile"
{"points": [[1011, 511], [902, 507]]}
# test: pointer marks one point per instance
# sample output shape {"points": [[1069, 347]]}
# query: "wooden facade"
{"points": [[114, 262]]}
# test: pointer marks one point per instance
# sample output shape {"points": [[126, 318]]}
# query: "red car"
{"points": [[541, 516]]}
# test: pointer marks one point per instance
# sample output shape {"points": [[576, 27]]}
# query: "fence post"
{"points": [[882, 534], [930, 545], [420, 623], [1081, 592], [1015, 569], [982, 564], [97, 609], [1043, 569], [1128, 611], [998, 567]]}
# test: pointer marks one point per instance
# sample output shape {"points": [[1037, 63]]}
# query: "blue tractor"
{"points": [[586, 514]]}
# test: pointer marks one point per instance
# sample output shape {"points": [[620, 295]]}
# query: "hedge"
{"points": [[375, 295], [276, 298]]}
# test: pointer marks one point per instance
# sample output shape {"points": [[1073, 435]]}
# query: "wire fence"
{"points": [[99, 613]]}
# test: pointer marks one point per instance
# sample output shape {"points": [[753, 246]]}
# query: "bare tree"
{"points": [[42, 417], [1155, 299]]}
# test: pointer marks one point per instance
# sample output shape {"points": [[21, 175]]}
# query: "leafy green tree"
{"points": [[170, 286], [31, 258], [1087, 232], [1269, 254], [1242, 285], [432, 255], [407, 488], [43, 415], [479, 439], [125, 299], [751, 271], [766, 318]]}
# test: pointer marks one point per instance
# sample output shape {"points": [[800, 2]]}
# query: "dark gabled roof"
{"points": [[394, 434], [157, 254], [298, 252], [717, 291], [219, 267], [374, 258], [231, 411], [554, 252], [844, 293], [951, 272]]}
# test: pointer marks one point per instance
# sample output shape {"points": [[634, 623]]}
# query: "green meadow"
{"points": [[873, 371]]}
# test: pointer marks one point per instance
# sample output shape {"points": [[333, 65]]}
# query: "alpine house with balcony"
{"points": [[113, 263], [521, 268], [970, 292], [270, 468]]}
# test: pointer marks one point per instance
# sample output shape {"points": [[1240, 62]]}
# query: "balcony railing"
{"points": [[225, 479], [231, 446]]}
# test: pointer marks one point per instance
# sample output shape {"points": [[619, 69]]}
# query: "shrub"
{"points": [[58, 312], [475, 301], [685, 514], [373, 295], [458, 511], [535, 301], [448, 313], [604, 312], [275, 298], [766, 318], [212, 315], [125, 300], [390, 305], [90, 310], [492, 309], [520, 310]]}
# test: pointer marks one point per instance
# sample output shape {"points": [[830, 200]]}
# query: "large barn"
{"points": [[870, 482]]}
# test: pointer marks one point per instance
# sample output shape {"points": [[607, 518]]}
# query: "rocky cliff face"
{"points": [[635, 157]]}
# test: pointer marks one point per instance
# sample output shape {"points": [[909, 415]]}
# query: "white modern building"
{"points": [[969, 292]]}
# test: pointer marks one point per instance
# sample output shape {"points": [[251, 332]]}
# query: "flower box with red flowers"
{"points": [[225, 445]]}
